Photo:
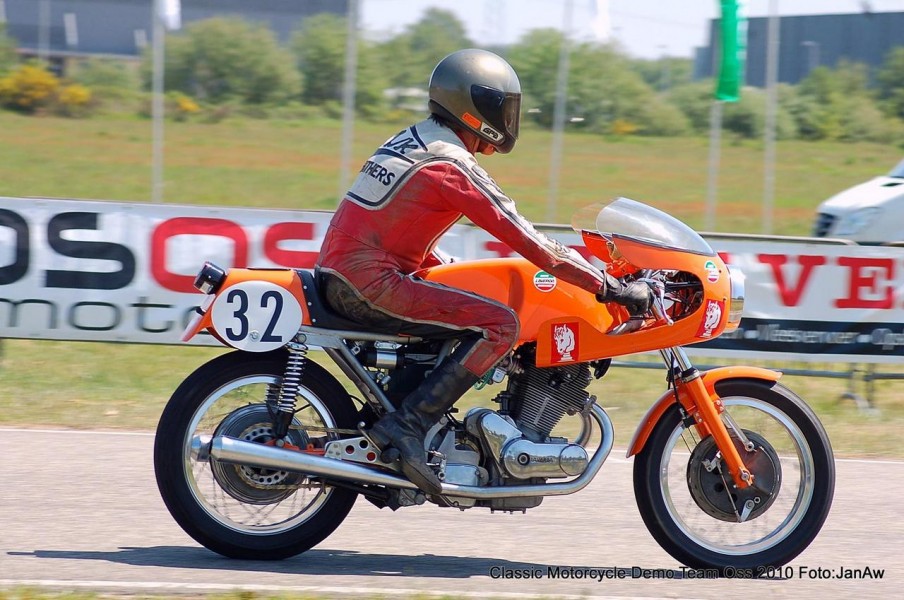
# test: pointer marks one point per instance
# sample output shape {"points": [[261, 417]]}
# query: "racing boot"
{"points": [[406, 428]]}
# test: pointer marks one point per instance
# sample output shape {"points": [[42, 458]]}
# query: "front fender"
{"points": [[710, 379]]}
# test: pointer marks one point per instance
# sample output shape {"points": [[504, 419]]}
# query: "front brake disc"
{"points": [[714, 490]]}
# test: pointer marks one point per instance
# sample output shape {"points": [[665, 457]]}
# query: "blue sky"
{"points": [[646, 28]]}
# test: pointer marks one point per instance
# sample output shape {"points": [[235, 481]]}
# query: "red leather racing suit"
{"points": [[410, 192]]}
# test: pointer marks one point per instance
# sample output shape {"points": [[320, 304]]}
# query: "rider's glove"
{"points": [[636, 296]]}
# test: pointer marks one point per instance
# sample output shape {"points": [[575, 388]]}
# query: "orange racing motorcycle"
{"points": [[261, 452]]}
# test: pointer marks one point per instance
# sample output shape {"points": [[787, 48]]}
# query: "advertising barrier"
{"points": [[123, 272]]}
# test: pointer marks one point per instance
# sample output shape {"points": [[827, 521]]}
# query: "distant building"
{"points": [[61, 28], [807, 42]]}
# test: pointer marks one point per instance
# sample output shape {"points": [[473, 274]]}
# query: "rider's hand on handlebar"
{"points": [[636, 296]]}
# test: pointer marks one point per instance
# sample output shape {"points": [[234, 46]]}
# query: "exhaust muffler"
{"points": [[232, 450]]}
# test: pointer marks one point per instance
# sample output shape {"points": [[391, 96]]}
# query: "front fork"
{"points": [[706, 412]]}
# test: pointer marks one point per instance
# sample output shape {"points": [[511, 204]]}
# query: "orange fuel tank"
{"points": [[568, 323]]}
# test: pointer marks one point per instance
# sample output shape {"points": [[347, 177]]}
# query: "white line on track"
{"points": [[76, 431], [149, 586]]}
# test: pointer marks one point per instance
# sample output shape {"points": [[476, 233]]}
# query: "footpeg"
{"points": [[436, 459], [363, 431], [389, 455]]}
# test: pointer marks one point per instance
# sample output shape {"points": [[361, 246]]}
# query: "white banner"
{"points": [[106, 271]]}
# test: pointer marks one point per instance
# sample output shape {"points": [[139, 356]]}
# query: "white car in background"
{"points": [[869, 213]]}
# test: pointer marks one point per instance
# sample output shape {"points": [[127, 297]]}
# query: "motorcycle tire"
{"points": [[234, 510], [693, 510]]}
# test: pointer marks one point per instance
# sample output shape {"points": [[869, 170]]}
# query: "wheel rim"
{"points": [[787, 509], [286, 509]]}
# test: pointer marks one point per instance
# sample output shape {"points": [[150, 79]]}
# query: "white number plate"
{"points": [[256, 316]]}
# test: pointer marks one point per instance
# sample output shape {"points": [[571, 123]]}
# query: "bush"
{"points": [[332, 109], [218, 113], [296, 111], [835, 104], [621, 127], [890, 80], [319, 49], [113, 83], [659, 118], [217, 60], [28, 88], [176, 106], [181, 106], [105, 73], [865, 122], [73, 100], [695, 101]]}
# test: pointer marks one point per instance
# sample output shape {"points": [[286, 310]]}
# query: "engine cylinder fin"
{"points": [[541, 397]]}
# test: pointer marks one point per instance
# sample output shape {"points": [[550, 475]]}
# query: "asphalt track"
{"points": [[80, 511]]}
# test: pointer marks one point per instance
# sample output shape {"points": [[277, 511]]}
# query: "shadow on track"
{"points": [[319, 562]]}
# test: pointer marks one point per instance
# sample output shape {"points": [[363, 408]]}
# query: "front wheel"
{"points": [[240, 511], [688, 500]]}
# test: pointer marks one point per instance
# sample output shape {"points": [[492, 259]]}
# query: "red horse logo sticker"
{"points": [[711, 318], [565, 337]]}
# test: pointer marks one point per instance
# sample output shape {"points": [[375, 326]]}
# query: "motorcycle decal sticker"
{"points": [[471, 120], [256, 316], [712, 271], [711, 318], [565, 338], [544, 282]]}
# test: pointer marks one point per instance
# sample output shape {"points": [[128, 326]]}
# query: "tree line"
{"points": [[222, 66]]}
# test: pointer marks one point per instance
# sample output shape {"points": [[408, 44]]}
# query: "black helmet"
{"points": [[479, 91]]}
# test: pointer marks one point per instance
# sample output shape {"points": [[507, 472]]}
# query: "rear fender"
{"points": [[256, 310], [710, 379], [200, 320]]}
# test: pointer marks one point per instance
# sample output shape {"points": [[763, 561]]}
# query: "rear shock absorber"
{"points": [[288, 390]]}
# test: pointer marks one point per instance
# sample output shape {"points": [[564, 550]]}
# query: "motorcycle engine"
{"points": [[515, 441], [537, 398]]}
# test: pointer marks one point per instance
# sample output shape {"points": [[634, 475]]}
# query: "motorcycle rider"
{"points": [[412, 190]]}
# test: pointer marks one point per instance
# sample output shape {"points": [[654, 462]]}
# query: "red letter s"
{"points": [[193, 226]]}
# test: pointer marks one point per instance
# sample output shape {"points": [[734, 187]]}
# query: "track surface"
{"points": [[80, 510]]}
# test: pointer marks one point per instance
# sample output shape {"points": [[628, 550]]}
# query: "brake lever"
{"points": [[657, 306]]}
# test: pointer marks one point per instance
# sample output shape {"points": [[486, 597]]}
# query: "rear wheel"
{"points": [[691, 506], [236, 510]]}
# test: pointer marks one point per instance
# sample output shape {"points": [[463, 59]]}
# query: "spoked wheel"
{"points": [[691, 506], [241, 511]]}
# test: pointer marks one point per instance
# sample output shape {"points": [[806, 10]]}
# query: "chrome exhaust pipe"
{"points": [[231, 450]]}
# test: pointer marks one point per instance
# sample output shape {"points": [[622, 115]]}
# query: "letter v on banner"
{"points": [[790, 293]]}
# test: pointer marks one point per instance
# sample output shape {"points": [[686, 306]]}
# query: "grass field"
{"points": [[293, 164], [120, 386]]}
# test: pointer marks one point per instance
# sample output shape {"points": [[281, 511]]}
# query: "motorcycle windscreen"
{"points": [[624, 218]]}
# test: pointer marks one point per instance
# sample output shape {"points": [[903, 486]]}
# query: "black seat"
{"points": [[324, 316], [321, 314]]}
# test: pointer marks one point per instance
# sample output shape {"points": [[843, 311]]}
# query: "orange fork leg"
{"points": [[706, 415]]}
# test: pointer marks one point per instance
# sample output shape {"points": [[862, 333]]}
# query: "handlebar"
{"points": [[657, 306]]}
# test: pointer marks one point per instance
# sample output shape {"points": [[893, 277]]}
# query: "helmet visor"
{"points": [[501, 111]]}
